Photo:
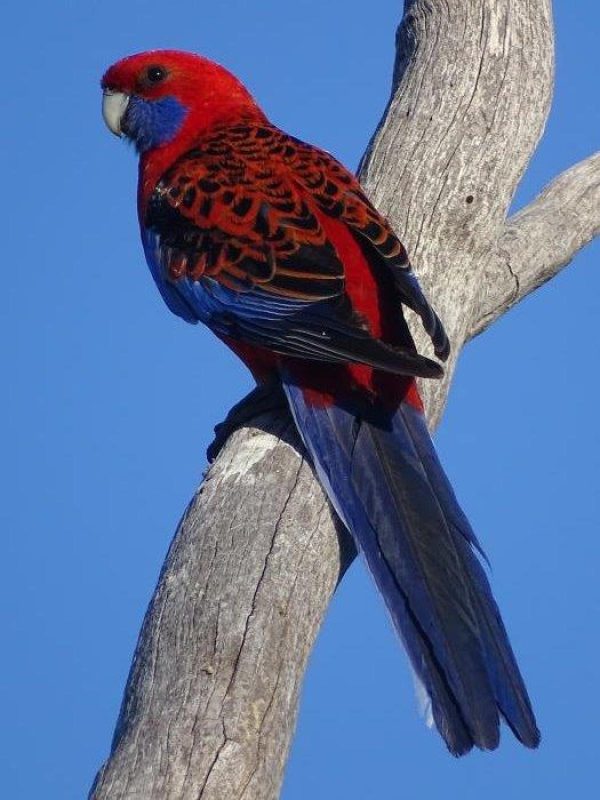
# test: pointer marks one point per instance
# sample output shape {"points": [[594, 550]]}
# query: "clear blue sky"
{"points": [[109, 402]]}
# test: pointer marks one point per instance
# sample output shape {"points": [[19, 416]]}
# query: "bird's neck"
{"points": [[198, 124]]}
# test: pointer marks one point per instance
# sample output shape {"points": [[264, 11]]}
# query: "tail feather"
{"points": [[510, 692], [385, 481]]}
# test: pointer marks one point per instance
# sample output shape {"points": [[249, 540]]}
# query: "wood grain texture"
{"points": [[214, 684], [473, 83], [541, 239], [211, 702]]}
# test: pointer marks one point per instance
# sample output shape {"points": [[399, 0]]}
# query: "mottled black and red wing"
{"points": [[241, 210], [251, 225], [338, 194]]}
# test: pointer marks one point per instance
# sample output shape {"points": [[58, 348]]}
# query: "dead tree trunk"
{"points": [[211, 701]]}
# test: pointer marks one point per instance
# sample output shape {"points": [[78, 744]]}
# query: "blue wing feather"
{"points": [[323, 330]]}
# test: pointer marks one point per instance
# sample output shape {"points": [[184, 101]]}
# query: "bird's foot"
{"points": [[263, 399]]}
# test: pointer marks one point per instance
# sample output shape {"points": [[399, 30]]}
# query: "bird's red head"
{"points": [[160, 96]]}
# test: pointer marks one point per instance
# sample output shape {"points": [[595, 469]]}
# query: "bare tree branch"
{"points": [[541, 239], [211, 700], [214, 684], [473, 83]]}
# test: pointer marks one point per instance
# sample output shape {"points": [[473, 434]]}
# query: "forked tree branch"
{"points": [[211, 700], [541, 239]]}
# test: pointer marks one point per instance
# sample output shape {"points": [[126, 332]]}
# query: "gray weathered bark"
{"points": [[211, 701]]}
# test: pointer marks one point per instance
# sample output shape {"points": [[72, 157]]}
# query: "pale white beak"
{"points": [[114, 105]]}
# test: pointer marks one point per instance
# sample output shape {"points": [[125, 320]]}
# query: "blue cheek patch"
{"points": [[150, 123]]}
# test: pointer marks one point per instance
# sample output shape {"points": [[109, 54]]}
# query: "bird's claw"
{"points": [[263, 399]]}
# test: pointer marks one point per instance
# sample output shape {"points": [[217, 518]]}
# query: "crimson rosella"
{"points": [[273, 244]]}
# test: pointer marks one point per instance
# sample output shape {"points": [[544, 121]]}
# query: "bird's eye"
{"points": [[155, 74]]}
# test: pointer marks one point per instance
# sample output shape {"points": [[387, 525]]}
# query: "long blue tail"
{"points": [[384, 479]]}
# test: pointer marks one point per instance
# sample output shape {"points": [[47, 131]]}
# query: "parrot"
{"points": [[273, 244]]}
